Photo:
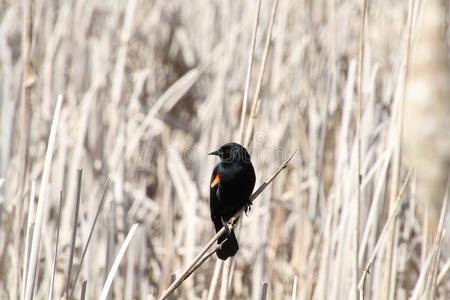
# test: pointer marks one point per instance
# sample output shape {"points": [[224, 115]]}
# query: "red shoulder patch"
{"points": [[215, 181]]}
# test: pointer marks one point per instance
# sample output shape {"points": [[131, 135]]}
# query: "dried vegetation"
{"points": [[104, 189]]}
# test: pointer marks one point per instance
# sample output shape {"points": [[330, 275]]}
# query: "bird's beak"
{"points": [[215, 153]]}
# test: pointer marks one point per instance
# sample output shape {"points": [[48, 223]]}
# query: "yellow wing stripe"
{"points": [[215, 181]]}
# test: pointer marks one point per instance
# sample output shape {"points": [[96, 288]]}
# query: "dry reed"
{"points": [[150, 87]]}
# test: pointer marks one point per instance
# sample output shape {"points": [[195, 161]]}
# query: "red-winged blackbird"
{"points": [[232, 183]]}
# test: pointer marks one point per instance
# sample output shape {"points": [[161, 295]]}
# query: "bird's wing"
{"points": [[213, 198]]}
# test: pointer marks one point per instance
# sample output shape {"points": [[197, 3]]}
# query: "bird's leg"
{"points": [[228, 226]]}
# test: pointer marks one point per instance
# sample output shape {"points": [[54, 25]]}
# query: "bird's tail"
{"points": [[229, 247]]}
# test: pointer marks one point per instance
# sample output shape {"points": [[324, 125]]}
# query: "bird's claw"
{"points": [[248, 207], [228, 226]]}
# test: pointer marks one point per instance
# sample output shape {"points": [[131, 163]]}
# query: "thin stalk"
{"points": [[397, 159], [249, 73], [28, 238], [74, 229], [42, 204], [102, 200], [361, 49], [25, 118], [55, 255], [117, 260], [256, 100]]}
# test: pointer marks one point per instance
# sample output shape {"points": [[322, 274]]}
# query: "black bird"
{"points": [[232, 183]]}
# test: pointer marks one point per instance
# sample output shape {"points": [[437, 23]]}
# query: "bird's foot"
{"points": [[228, 226], [248, 207]]}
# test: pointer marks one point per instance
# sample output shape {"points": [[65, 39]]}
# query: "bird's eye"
{"points": [[226, 157]]}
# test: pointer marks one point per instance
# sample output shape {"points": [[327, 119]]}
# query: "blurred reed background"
{"points": [[150, 87]]}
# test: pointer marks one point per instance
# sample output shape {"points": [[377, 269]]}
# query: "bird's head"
{"points": [[232, 153]]}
